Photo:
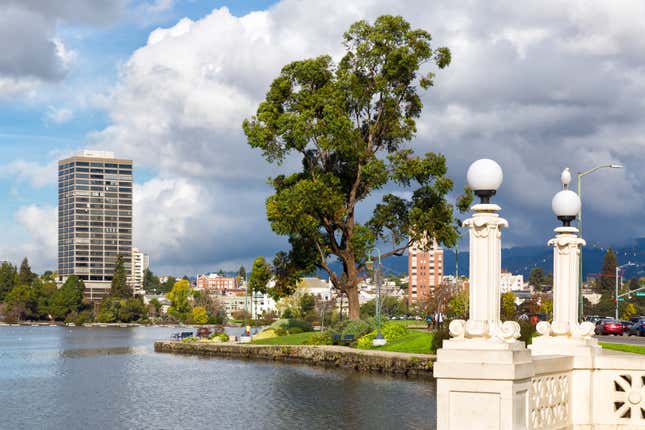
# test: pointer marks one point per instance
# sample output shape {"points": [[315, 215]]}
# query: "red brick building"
{"points": [[215, 282], [425, 270]]}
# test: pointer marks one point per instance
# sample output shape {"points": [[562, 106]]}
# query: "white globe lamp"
{"points": [[566, 205], [485, 176]]}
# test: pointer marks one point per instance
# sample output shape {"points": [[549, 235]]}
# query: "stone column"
{"points": [[484, 323], [565, 326], [483, 373]]}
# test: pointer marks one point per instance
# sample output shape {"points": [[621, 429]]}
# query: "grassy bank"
{"points": [[636, 349]]}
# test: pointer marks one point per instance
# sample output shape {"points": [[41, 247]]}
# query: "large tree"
{"points": [[607, 277], [350, 123], [8, 278], [69, 298], [537, 278], [119, 287]]}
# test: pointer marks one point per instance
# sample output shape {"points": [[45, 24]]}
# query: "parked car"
{"points": [[626, 326], [638, 328], [609, 326], [634, 320]]}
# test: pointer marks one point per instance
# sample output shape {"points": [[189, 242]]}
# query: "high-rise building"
{"points": [[94, 219], [425, 269], [140, 262]]}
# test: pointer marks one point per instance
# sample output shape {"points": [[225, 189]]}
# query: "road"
{"points": [[629, 340]]}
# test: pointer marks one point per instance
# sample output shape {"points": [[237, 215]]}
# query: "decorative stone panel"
{"points": [[629, 397], [550, 401]]}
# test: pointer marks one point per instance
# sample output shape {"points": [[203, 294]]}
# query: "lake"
{"points": [[110, 378]]}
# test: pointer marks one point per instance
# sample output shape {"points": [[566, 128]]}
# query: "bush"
{"points": [[266, 334], [218, 337], [357, 328], [527, 332], [438, 338], [189, 339], [392, 331], [295, 330], [365, 342], [287, 324], [324, 338]]}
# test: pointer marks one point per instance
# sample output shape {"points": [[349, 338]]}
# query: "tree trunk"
{"points": [[354, 305]]}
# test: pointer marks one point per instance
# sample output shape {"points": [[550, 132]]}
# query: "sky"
{"points": [[537, 86]]}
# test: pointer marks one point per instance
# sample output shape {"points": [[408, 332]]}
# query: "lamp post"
{"points": [[580, 175], [379, 339], [618, 276]]}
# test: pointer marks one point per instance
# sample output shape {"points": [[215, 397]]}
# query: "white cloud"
{"points": [[58, 115], [538, 86], [36, 174], [39, 222]]}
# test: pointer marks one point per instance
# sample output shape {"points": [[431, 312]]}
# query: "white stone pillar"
{"points": [[485, 270], [483, 373]]}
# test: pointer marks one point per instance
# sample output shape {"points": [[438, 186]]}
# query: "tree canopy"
{"points": [[350, 123], [607, 277], [120, 287]]}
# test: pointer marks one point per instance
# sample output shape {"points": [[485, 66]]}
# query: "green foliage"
{"points": [[357, 328], [630, 311], [391, 307], [288, 313], [199, 315], [113, 309], [391, 332], [437, 339], [322, 338], [260, 275], [458, 306], [68, 299], [22, 302], [25, 275], [606, 282], [349, 123], [179, 297], [307, 303], [295, 330], [527, 332], [167, 286], [287, 324], [508, 308], [8, 277], [537, 278], [220, 337], [151, 282], [119, 287]]}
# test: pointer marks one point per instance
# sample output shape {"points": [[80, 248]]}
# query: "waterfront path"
{"points": [[393, 363]]}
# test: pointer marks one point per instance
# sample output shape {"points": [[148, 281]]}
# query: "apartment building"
{"points": [[94, 218], [425, 270]]}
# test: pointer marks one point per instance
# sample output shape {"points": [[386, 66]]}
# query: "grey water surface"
{"points": [[110, 378]]}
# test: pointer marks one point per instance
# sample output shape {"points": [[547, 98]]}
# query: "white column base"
{"points": [[245, 339]]}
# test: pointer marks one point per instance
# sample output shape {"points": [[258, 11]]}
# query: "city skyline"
{"points": [[200, 191]]}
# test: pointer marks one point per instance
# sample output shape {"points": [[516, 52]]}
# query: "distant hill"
{"points": [[520, 260]]}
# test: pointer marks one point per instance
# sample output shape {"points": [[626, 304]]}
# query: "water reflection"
{"points": [[54, 377]]}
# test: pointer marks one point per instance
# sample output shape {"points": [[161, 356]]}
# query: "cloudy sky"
{"points": [[538, 86]]}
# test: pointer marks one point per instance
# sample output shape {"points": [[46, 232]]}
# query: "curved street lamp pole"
{"points": [[580, 175], [379, 339]]}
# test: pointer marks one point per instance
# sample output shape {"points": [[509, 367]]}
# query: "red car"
{"points": [[609, 326]]}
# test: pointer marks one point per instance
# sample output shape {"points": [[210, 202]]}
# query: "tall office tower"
{"points": [[94, 219], [140, 262], [425, 270]]}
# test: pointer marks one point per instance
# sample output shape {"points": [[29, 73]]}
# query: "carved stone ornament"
{"points": [[508, 331], [582, 330]]}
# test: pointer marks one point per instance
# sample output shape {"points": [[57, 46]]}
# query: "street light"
{"points": [[629, 263], [580, 175], [379, 339]]}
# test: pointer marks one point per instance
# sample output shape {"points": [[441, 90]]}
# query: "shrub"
{"points": [[287, 324], [392, 331], [266, 334], [295, 330], [365, 342], [357, 328], [527, 332], [324, 338], [189, 339], [437, 339]]}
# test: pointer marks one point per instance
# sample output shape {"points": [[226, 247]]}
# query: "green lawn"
{"points": [[290, 339], [636, 349], [416, 342]]}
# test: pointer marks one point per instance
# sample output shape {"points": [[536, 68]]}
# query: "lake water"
{"points": [[110, 378]]}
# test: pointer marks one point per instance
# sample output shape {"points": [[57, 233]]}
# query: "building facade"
{"points": [[215, 282], [94, 218], [425, 270], [509, 282], [140, 262]]}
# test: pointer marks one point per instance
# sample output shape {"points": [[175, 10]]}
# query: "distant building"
{"points": [[94, 219], [320, 288], [257, 306], [215, 282], [425, 269], [509, 282], [140, 262]]}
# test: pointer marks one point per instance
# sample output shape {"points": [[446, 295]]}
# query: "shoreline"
{"points": [[366, 361]]}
